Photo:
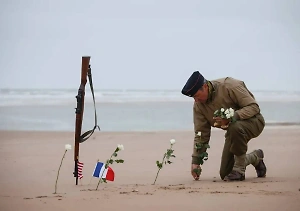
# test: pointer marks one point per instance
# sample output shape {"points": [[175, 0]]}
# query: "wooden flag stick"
{"points": [[79, 111]]}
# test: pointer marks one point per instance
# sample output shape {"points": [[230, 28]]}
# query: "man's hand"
{"points": [[221, 123], [196, 171]]}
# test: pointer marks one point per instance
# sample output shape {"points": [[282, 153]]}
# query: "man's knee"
{"points": [[225, 171], [235, 129], [223, 174], [226, 166], [248, 129]]}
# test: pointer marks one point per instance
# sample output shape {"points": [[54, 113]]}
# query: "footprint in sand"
{"points": [[39, 197]]}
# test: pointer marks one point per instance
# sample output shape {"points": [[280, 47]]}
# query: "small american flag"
{"points": [[80, 167]]}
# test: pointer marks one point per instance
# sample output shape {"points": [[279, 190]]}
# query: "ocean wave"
{"points": [[19, 97]]}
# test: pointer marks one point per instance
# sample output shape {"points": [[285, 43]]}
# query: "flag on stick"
{"points": [[108, 173], [80, 167]]}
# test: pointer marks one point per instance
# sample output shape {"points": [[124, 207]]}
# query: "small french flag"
{"points": [[108, 173]]}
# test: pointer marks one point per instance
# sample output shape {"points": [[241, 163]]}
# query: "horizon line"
{"points": [[134, 89]]}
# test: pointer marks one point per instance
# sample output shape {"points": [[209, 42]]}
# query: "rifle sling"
{"points": [[89, 133]]}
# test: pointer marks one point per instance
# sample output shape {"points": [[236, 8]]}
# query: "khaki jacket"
{"points": [[228, 92]]}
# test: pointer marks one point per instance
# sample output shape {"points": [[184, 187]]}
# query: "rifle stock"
{"points": [[79, 110]]}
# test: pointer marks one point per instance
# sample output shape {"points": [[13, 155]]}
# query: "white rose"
{"points": [[172, 141], [68, 146], [231, 111], [228, 116], [222, 109], [227, 111], [199, 133], [120, 147]]}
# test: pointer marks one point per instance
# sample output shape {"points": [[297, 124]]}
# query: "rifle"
{"points": [[85, 71]]}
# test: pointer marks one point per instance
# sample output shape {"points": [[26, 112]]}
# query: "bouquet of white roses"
{"points": [[225, 115]]}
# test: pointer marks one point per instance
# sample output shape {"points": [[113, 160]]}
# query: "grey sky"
{"points": [[145, 44]]}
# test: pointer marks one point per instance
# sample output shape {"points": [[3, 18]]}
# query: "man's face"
{"points": [[202, 94]]}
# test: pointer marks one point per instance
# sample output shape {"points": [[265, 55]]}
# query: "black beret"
{"points": [[193, 84]]}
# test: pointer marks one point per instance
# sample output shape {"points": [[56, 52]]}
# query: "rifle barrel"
{"points": [[79, 110]]}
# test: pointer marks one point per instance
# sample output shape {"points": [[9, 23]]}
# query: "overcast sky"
{"points": [[149, 44]]}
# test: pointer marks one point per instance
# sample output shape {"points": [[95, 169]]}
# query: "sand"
{"points": [[30, 161]]}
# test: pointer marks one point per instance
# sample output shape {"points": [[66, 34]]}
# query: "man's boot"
{"points": [[238, 170], [256, 159]]}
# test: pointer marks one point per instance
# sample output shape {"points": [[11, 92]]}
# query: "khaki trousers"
{"points": [[236, 139]]}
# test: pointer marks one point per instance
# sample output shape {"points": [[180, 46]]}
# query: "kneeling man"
{"points": [[246, 124]]}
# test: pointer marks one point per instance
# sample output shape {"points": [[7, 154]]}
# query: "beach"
{"points": [[131, 71], [30, 161]]}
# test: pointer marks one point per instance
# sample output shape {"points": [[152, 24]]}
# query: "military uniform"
{"points": [[227, 93]]}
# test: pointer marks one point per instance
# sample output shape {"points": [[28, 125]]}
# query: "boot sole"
{"points": [[227, 179], [234, 180], [261, 165]]}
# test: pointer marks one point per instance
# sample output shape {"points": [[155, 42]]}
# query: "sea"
{"points": [[124, 110]]}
